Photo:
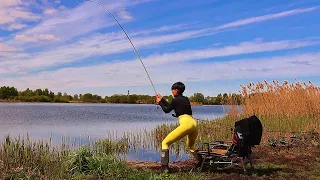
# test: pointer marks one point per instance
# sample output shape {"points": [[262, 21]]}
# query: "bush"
{"points": [[84, 162]]}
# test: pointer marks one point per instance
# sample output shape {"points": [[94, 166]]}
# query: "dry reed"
{"points": [[286, 106]]}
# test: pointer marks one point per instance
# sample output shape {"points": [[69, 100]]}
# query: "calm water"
{"points": [[42, 121]]}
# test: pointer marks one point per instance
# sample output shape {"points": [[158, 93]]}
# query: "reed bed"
{"points": [[286, 106]]}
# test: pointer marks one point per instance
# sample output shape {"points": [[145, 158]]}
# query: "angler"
{"points": [[188, 125]]}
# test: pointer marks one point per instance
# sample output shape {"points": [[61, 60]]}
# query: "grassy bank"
{"points": [[26, 159]]}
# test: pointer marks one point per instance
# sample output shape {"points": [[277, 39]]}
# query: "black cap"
{"points": [[180, 86]]}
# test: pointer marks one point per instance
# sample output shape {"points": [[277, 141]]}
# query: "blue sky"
{"points": [[213, 46]]}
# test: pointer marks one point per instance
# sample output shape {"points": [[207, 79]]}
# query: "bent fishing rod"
{"points": [[136, 51]]}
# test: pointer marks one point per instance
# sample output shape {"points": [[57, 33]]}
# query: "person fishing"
{"points": [[181, 105], [187, 124]]}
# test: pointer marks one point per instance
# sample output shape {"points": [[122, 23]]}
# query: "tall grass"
{"points": [[40, 158], [286, 106], [26, 159]]}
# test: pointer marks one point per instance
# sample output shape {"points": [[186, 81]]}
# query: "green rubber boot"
{"points": [[165, 161]]}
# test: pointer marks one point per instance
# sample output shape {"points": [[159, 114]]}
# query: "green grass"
{"points": [[24, 159]]}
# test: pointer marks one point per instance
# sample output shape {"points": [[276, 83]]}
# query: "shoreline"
{"points": [[70, 102], [81, 102]]}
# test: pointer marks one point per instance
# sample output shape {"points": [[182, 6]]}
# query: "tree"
{"points": [[76, 97], [197, 97], [218, 99], [7, 92], [46, 92], [38, 92], [209, 100], [28, 92], [86, 97], [45, 95], [51, 95], [225, 98], [133, 99]]}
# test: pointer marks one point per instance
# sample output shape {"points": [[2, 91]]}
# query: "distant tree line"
{"points": [[44, 95], [220, 99]]}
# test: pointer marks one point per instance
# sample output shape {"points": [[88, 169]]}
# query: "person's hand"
{"points": [[158, 98]]}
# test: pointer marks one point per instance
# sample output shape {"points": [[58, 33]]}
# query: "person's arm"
{"points": [[166, 107]]}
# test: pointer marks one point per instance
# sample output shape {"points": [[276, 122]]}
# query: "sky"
{"points": [[212, 46]]}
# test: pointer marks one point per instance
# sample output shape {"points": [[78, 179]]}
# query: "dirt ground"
{"points": [[269, 163]]}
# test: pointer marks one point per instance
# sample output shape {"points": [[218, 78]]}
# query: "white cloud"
{"points": [[84, 18], [17, 26], [90, 17], [23, 13], [266, 17], [6, 51], [48, 37], [125, 15], [8, 3], [5, 54], [36, 38], [50, 11], [14, 14], [109, 46], [132, 73], [4, 47], [242, 48], [78, 52], [25, 38]]}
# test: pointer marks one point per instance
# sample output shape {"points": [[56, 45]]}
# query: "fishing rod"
{"points": [[136, 51]]}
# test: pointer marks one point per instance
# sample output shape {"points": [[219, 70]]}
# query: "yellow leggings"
{"points": [[188, 127]]}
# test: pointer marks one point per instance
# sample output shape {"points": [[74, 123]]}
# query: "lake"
{"points": [[78, 121]]}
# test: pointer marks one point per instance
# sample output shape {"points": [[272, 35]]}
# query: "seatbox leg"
{"points": [[250, 160], [243, 165]]}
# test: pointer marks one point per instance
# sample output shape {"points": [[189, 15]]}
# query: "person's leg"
{"points": [[191, 139], [175, 135]]}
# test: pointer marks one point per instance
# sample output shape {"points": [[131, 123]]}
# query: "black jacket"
{"points": [[180, 104]]}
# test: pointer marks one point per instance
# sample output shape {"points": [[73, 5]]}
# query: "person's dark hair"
{"points": [[180, 86]]}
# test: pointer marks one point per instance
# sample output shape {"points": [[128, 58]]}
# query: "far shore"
{"points": [[82, 102]]}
